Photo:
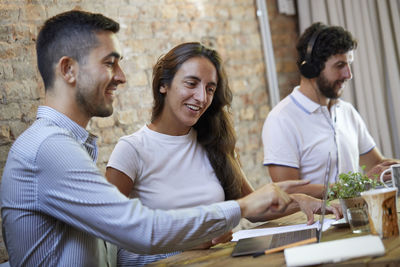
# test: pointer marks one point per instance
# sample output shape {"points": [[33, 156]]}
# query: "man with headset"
{"points": [[312, 121]]}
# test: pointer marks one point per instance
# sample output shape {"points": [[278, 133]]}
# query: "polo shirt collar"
{"points": [[306, 104], [303, 102]]}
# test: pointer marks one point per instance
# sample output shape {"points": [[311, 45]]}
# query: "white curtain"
{"points": [[375, 87]]}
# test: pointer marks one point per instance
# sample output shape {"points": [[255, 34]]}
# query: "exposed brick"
{"points": [[222, 13], [127, 117], [225, 41], [24, 69], [32, 12], [7, 71], [142, 30], [10, 111], [104, 154], [200, 28], [233, 26], [4, 149], [6, 33], [5, 134], [130, 11], [185, 28], [239, 86], [140, 79], [28, 110], [263, 111], [6, 51], [188, 12], [104, 122], [169, 12], [159, 29], [110, 135], [17, 128], [36, 88], [14, 90], [9, 13], [247, 113]]}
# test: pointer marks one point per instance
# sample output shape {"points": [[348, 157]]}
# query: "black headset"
{"points": [[307, 68]]}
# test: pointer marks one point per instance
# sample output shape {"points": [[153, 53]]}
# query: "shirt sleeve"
{"points": [[365, 141], [125, 158], [71, 189], [279, 142]]}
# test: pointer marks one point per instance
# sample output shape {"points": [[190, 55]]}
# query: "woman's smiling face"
{"points": [[189, 95]]}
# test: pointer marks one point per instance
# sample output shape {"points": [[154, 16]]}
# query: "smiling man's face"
{"points": [[99, 76], [334, 76]]}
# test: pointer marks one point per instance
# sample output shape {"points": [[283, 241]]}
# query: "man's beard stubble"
{"points": [[327, 88]]}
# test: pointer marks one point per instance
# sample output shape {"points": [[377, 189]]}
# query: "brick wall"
{"points": [[150, 28]]}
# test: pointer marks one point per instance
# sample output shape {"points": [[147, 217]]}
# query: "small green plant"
{"points": [[351, 184]]}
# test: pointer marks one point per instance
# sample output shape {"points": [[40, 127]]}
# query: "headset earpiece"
{"points": [[308, 69]]}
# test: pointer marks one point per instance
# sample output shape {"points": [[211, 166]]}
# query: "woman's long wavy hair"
{"points": [[214, 128]]}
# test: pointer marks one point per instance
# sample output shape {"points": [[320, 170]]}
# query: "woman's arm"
{"points": [[120, 180]]}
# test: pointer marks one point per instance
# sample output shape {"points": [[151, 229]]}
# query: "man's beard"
{"points": [[87, 103], [327, 88]]}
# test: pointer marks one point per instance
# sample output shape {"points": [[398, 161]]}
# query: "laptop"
{"points": [[267, 244]]}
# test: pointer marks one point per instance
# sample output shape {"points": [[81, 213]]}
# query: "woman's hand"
{"points": [[220, 239], [311, 206]]}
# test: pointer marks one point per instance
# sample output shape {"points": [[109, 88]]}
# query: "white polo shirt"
{"points": [[300, 133]]}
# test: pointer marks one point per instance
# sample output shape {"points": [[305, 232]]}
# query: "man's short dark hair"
{"points": [[332, 40], [71, 34]]}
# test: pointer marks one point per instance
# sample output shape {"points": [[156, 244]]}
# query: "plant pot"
{"points": [[354, 202]]}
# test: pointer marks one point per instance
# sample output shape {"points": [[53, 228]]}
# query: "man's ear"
{"points": [[68, 69]]}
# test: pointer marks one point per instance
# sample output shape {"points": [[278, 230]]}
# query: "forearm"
{"points": [[314, 190], [283, 174], [291, 208], [392, 161], [129, 224], [83, 199], [185, 228]]}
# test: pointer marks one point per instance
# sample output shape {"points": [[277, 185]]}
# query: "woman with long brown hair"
{"points": [[186, 156]]}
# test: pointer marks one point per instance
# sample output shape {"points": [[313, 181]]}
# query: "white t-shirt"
{"points": [[168, 172], [300, 133]]}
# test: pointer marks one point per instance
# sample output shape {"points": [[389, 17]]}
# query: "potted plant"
{"points": [[348, 188]]}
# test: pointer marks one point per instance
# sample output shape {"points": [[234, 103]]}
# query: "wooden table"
{"points": [[220, 255]]}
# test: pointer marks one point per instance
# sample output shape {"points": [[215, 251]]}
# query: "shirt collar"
{"points": [[305, 103], [63, 121]]}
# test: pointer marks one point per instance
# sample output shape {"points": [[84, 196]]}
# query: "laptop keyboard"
{"points": [[282, 239]]}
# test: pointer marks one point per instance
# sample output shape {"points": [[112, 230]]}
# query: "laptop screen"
{"points": [[277, 242], [325, 197]]}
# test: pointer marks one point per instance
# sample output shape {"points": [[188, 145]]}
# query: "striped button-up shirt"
{"points": [[58, 209]]}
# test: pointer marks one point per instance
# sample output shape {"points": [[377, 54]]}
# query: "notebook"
{"points": [[277, 242], [334, 251]]}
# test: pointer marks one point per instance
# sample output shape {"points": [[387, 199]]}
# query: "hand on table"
{"points": [[311, 206], [220, 239], [375, 172]]}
